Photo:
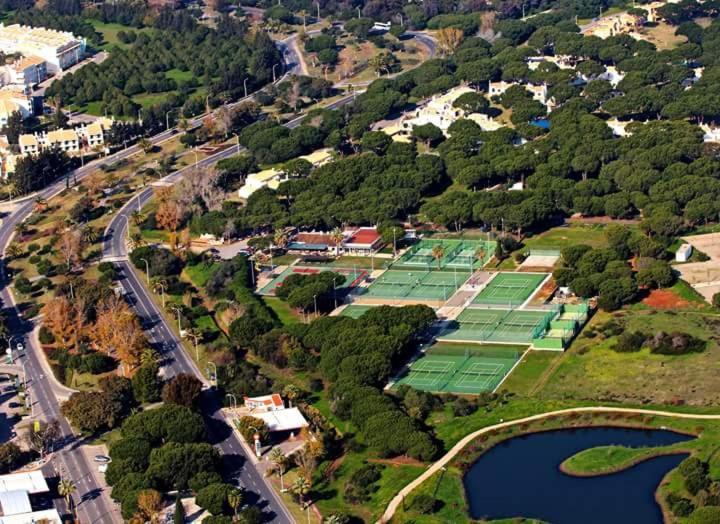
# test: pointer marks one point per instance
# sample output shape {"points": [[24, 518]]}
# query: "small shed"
{"points": [[683, 253]]}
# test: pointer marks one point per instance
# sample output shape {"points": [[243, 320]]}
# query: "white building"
{"points": [[59, 49], [438, 111], [15, 505], [27, 71], [84, 138], [273, 177], [538, 92], [683, 253], [14, 100]]}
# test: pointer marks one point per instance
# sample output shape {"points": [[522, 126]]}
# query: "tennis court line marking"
{"points": [[538, 288]]}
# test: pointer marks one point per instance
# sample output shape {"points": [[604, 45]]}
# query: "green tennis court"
{"points": [[353, 277], [499, 325], [355, 310], [510, 289], [417, 284], [461, 369], [441, 253]]}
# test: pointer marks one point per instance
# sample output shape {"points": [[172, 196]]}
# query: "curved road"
{"points": [[94, 504], [467, 439]]}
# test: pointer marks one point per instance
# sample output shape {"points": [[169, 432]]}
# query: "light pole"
{"points": [[334, 293], [315, 302], [162, 292], [256, 437], [245, 86], [147, 270], [196, 157], [167, 119], [273, 69], [177, 310], [318, 9], [234, 400], [237, 142], [215, 371]]}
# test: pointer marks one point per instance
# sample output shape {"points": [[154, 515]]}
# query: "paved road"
{"points": [[93, 504], [165, 341]]}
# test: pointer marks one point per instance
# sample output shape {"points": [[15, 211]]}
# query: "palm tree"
{"points": [[89, 234], [337, 236], [280, 239], [146, 145], [301, 487], [335, 519], [13, 251], [438, 252], [21, 229], [149, 357], [291, 392], [279, 461], [136, 240], [137, 217], [66, 488], [235, 499]]}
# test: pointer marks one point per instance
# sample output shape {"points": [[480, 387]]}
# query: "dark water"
{"points": [[521, 478]]}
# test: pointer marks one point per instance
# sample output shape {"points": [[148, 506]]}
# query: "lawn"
{"points": [[529, 371], [561, 237], [591, 370], [110, 32], [200, 273], [285, 314]]}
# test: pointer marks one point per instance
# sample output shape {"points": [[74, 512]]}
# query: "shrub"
{"points": [[706, 515], [675, 344], [680, 506], [23, 285], [46, 336], [629, 342], [423, 503], [462, 407], [716, 300]]}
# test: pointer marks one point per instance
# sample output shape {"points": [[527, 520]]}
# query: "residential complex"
{"points": [[59, 49]]}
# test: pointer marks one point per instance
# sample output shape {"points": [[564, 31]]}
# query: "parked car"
{"points": [[102, 459]]}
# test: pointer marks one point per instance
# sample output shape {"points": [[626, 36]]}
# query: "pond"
{"points": [[521, 478]]}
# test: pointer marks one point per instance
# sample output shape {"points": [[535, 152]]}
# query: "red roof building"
{"points": [[363, 240]]}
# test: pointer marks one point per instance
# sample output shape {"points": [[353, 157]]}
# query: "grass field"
{"points": [[200, 273], [282, 310], [560, 237], [110, 32], [592, 370]]}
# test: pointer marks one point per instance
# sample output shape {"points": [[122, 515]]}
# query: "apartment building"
{"points": [[59, 49]]}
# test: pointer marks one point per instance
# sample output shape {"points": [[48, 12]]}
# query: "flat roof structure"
{"points": [[283, 419], [31, 481]]}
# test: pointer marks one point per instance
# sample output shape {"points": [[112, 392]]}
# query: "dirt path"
{"points": [[435, 467]]}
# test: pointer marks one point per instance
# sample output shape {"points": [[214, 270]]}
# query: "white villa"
{"points": [[273, 177]]}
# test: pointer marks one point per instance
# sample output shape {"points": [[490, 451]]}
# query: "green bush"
{"points": [[46, 336], [629, 342], [706, 515], [423, 503]]}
